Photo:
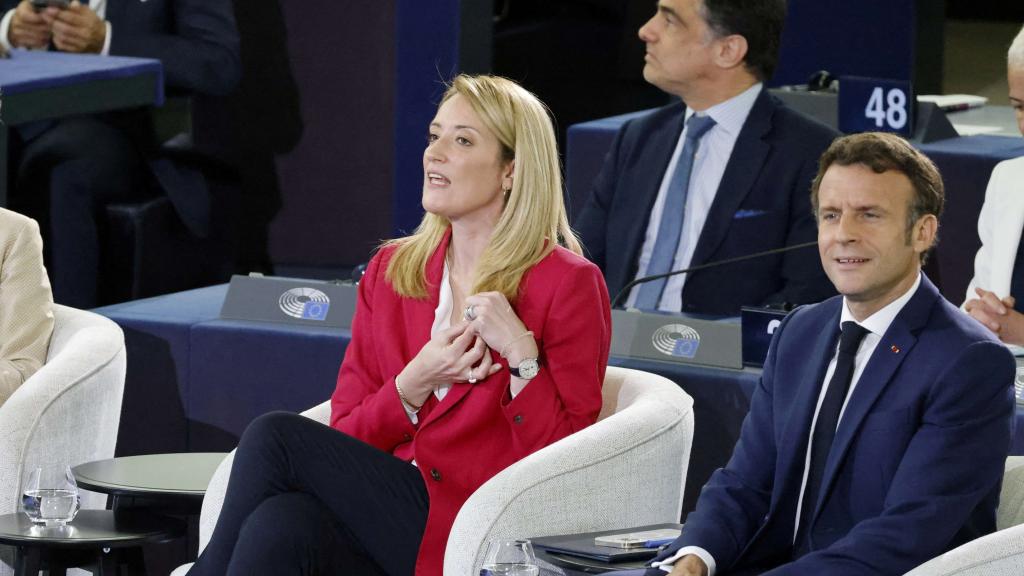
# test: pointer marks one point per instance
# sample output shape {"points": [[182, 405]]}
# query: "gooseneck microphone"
{"points": [[625, 290]]}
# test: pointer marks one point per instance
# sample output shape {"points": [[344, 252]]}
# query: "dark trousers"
{"points": [[66, 173], [304, 498]]}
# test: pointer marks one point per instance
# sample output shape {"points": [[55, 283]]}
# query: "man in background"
{"points": [[720, 174], [66, 172]]}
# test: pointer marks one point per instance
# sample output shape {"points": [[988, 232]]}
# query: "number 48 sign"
{"points": [[870, 104]]}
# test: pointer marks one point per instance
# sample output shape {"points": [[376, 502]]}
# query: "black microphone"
{"points": [[625, 290]]}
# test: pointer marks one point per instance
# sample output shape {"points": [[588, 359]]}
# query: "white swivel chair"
{"points": [[998, 554], [68, 411], [626, 470]]}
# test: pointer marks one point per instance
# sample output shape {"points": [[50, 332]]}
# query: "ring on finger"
{"points": [[469, 313], [471, 379]]}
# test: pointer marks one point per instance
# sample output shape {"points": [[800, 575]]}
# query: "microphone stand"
{"points": [[625, 290]]}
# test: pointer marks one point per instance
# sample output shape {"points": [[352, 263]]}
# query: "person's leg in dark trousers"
{"points": [[294, 533], [377, 504], [66, 176]]}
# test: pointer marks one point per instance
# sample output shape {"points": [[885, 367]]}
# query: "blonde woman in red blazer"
{"points": [[478, 340]]}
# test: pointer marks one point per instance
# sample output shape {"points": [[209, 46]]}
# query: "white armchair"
{"points": [[998, 554], [628, 469], [68, 411]]}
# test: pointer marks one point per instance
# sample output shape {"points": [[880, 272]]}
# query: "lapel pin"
{"points": [[895, 349]]}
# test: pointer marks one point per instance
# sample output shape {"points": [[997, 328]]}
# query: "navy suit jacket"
{"points": [[917, 460], [763, 202]]}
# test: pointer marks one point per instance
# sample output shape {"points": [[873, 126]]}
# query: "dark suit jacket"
{"points": [[197, 43], [763, 202], [477, 429], [196, 40], [917, 460]]}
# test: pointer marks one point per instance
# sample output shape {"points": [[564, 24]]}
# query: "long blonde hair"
{"points": [[533, 219]]}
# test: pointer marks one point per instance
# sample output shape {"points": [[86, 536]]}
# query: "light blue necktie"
{"points": [[672, 215]]}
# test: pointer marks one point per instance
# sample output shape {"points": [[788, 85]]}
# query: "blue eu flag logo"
{"points": [[315, 310]]}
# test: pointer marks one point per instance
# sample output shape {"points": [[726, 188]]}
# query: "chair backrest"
{"points": [[1011, 499], [68, 411], [628, 469]]}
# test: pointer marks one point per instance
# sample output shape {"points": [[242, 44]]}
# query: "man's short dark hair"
{"points": [[882, 152], [759, 21]]}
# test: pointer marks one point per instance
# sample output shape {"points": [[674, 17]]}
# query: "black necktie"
{"points": [[828, 419]]}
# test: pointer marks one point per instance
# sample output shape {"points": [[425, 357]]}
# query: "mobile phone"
{"points": [[635, 539], [41, 4]]}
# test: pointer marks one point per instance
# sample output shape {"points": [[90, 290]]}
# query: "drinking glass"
{"points": [[509, 558], [50, 495]]}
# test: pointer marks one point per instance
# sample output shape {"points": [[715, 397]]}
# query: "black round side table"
{"points": [[104, 538]]}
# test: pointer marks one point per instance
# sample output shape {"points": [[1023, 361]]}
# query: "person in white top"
{"points": [[876, 455], [995, 296]]}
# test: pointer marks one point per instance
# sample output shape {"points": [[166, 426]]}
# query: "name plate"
{"points": [[875, 105], [759, 325], [677, 338], [290, 301]]}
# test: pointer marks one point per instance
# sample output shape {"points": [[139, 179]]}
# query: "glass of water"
{"points": [[509, 558], [50, 495]]}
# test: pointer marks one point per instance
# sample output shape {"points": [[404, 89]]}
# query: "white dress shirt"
{"points": [[97, 6], [713, 153], [876, 324]]}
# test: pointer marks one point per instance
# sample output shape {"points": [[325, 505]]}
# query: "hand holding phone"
{"points": [[43, 4], [29, 28]]}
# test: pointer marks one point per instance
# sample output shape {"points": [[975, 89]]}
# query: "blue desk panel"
{"points": [[195, 382], [240, 370], [157, 334]]}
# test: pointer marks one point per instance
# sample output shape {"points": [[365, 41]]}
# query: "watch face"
{"points": [[528, 368]]}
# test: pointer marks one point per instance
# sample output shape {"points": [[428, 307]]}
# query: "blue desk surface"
{"points": [[195, 382], [37, 86], [27, 71]]}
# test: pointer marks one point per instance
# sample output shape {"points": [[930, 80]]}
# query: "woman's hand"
{"points": [[455, 354], [500, 328], [998, 315]]}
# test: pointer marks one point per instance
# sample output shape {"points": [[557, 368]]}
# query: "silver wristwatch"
{"points": [[526, 370]]}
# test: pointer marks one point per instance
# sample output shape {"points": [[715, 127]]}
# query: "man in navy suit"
{"points": [[879, 453], [66, 172], [749, 177]]}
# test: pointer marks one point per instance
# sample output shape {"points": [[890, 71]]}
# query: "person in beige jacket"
{"points": [[26, 303]]}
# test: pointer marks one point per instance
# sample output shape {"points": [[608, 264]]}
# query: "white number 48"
{"points": [[895, 114]]}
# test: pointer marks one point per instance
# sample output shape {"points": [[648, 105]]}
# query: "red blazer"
{"points": [[478, 429]]}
